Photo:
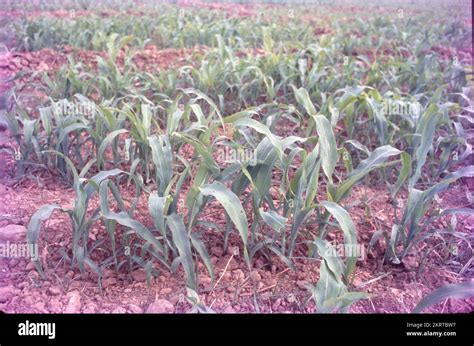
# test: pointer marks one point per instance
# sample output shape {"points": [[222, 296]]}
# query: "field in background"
{"points": [[185, 156]]}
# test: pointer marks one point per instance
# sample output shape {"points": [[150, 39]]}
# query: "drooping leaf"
{"points": [[231, 204], [375, 160], [463, 290], [327, 143], [182, 242], [350, 235]]}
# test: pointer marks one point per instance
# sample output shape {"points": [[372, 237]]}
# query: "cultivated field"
{"points": [[199, 157]]}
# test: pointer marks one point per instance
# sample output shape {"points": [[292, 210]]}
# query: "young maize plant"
{"points": [[79, 215], [409, 230]]}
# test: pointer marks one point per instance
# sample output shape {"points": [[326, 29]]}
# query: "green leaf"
{"points": [[463, 290], [327, 289], [34, 225], [303, 98], [404, 173], [425, 130], [94, 182], [375, 160], [181, 240], [107, 140], [273, 219], [163, 159], [380, 119], [125, 220], [329, 254], [202, 150], [231, 204], [32, 233], [358, 145], [283, 258], [157, 206], [345, 300], [201, 95], [348, 228], [202, 251], [259, 127], [328, 148]]}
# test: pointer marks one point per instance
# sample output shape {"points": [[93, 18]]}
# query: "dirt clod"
{"points": [[74, 303], [160, 306], [13, 233]]}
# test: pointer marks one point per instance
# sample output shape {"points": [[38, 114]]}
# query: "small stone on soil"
{"points": [[229, 310], [166, 291], [255, 276], [55, 305], [139, 275], [217, 251], [206, 281], [6, 293], [90, 309], [54, 291], [109, 282], [410, 262], [119, 310], [135, 309], [276, 304], [302, 284], [238, 275], [160, 306], [233, 264], [74, 303], [12, 233]]}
